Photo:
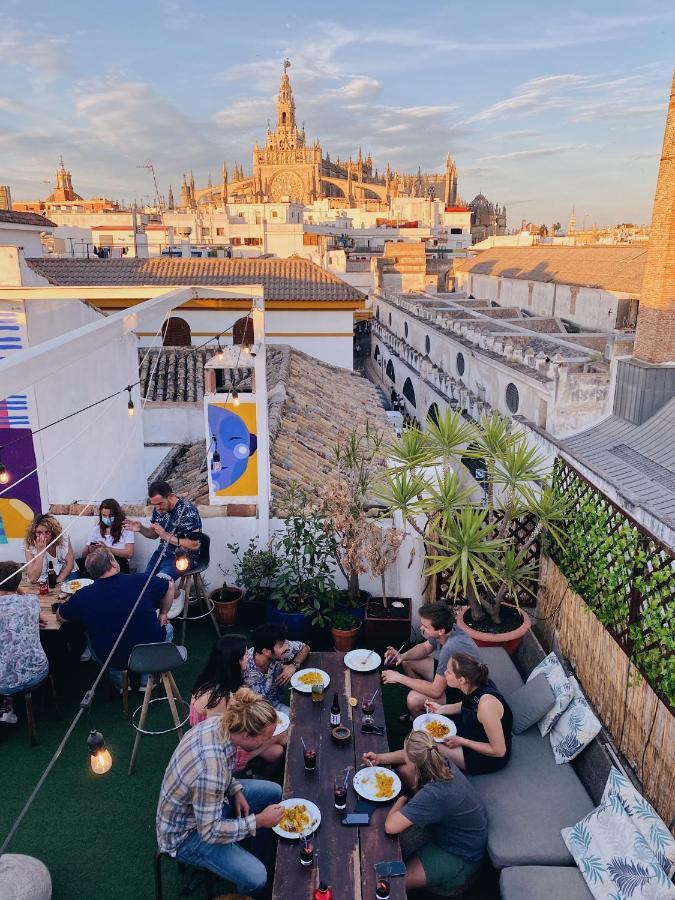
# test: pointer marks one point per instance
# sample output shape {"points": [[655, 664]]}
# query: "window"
{"points": [[391, 375], [427, 345], [236, 242], [455, 231], [252, 242], [220, 232], [432, 415], [409, 391], [376, 354], [242, 331], [176, 333], [390, 318], [405, 329], [377, 313], [460, 364], [206, 232], [512, 397], [274, 214]]}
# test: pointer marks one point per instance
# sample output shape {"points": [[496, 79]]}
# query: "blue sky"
{"points": [[544, 106]]}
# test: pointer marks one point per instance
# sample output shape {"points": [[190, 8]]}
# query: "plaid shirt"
{"points": [[264, 683], [197, 781]]}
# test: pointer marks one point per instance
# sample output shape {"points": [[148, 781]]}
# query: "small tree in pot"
{"points": [[254, 571]]}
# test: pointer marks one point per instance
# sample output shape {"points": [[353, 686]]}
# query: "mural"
{"points": [[235, 430]]}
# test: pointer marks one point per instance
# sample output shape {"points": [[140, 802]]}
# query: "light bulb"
{"points": [[219, 351], [182, 561], [246, 348], [101, 762], [215, 462], [235, 398], [4, 474], [130, 407]]}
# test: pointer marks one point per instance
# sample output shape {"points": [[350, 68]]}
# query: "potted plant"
{"points": [[253, 572], [344, 629], [303, 592], [226, 600], [470, 528], [387, 619]]}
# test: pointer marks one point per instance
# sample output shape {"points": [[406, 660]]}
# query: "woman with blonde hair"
{"points": [[46, 543], [443, 827], [204, 811]]}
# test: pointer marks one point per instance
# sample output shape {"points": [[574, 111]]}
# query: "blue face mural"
{"points": [[235, 444]]}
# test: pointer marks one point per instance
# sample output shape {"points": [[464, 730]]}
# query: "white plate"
{"points": [[283, 724], [421, 721], [356, 660], [364, 783], [67, 586], [313, 811], [307, 688]]}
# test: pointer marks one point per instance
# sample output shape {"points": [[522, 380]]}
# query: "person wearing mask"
{"points": [[443, 827], [204, 812], [109, 531], [45, 543], [23, 663]]}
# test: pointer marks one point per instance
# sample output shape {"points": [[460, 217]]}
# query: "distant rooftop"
{"points": [[282, 279], [609, 268], [25, 218]]}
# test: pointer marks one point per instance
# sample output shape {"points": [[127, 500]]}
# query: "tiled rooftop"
{"points": [[282, 279], [611, 268], [25, 218]]}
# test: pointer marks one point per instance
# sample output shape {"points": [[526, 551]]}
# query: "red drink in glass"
{"points": [[309, 756]]}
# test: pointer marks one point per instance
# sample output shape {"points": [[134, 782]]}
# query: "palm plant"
{"points": [[468, 531]]}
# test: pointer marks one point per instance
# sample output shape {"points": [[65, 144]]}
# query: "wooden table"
{"points": [[45, 601], [344, 856]]}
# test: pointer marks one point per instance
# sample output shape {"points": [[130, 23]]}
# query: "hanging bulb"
{"points": [[4, 474], [215, 459], [245, 347], [101, 760], [219, 352], [235, 398], [130, 404], [182, 561]]}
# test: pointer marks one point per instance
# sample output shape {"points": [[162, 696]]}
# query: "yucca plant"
{"points": [[467, 527]]}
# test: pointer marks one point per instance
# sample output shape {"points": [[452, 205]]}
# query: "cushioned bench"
{"points": [[537, 882], [532, 798]]}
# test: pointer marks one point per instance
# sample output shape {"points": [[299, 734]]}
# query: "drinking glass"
{"points": [[367, 708], [309, 755], [306, 849], [340, 792], [317, 693]]}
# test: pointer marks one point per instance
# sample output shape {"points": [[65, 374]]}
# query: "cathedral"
{"points": [[288, 168]]}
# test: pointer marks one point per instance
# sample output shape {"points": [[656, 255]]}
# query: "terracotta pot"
{"points": [[226, 610], [345, 640], [509, 640]]}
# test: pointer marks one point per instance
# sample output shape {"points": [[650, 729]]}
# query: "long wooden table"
{"points": [[45, 601], [344, 856]]}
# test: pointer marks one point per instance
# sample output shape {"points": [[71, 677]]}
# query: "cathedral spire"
{"points": [[285, 103]]}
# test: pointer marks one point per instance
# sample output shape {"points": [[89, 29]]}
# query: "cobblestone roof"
{"points": [[609, 268], [282, 279], [25, 218]]}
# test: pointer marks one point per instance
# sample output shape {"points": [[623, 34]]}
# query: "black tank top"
{"points": [[469, 726]]}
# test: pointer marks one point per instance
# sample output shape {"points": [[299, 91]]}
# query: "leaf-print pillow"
{"points": [[575, 729], [561, 686], [644, 817], [614, 859]]}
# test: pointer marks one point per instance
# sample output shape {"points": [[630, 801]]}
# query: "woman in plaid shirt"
{"points": [[204, 812]]}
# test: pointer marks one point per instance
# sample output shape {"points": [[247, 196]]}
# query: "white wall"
{"points": [[173, 423], [25, 237]]}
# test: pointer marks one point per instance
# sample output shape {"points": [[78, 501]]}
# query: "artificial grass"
{"points": [[96, 834]]}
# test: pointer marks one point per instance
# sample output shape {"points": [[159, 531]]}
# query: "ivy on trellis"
{"points": [[624, 574]]}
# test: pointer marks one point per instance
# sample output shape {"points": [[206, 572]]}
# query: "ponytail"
{"points": [[248, 712], [465, 666], [423, 753]]}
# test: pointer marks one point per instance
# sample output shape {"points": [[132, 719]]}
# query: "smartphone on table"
{"points": [[390, 869]]}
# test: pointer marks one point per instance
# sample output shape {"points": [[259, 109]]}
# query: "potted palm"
{"points": [[470, 527], [345, 630]]}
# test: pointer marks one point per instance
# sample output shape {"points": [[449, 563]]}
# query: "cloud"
{"points": [[534, 96], [529, 154], [249, 113], [9, 105], [44, 57]]}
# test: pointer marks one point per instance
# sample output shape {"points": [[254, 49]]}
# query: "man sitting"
{"points": [[271, 662], [104, 606], [423, 676]]}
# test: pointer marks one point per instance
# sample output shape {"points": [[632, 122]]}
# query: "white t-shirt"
{"points": [[60, 551], [127, 537]]}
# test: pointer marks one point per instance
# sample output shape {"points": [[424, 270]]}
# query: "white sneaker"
{"points": [[86, 655], [177, 605], [8, 716]]}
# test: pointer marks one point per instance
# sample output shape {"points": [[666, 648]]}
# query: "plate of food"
{"points": [[439, 727], [69, 587], [362, 660], [377, 783], [282, 723], [300, 817], [304, 679]]}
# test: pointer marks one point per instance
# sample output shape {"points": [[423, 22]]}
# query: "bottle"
{"points": [[51, 576], [335, 712], [323, 892]]}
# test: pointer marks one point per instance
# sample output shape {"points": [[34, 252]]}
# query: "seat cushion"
{"points": [[537, 882], [528, 802], [502, 670]]}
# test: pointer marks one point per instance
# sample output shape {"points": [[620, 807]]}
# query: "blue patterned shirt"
{"points": [[190, 525], [264, 683], [21, 655], [197, 781]]}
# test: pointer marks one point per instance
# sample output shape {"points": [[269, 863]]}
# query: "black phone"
{"points": [[356, 819], [389, 869], [372, 729]]}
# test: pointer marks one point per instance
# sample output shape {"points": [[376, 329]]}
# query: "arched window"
{"points": [[176, 333], [476, 466], [409, 392], [390, 371], [242, 331], [460, 364], [377, 313], [283, 118], [433, 413], [390, 318], [427, 345], [376, 354], [512, 397], [405, 329]]}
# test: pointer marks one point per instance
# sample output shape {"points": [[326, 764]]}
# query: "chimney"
{"points": [[655, 335]]}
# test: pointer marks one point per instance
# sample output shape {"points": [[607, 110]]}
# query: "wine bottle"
{"points": [[335, 712], [323, 892], [51, 576]]}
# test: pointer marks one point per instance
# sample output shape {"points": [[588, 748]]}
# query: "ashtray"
{"points": [[341, 734]]}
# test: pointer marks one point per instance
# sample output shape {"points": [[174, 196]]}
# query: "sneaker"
{"points": [[86, 655], [8, 716], [177, 605]]}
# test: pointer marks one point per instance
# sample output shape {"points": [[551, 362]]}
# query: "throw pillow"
{"points": [[614, 859], [560, 685], [644, 817], [575, 728], [530, 703]]}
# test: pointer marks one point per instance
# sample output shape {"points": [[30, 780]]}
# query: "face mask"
{"points": [[107, 520]]}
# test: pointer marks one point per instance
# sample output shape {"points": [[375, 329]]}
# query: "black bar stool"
{"points": [[193, 579]]}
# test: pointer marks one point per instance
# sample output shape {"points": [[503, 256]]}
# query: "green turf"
{"points": [[96, 834]]}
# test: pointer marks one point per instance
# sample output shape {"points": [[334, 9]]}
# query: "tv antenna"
{"points": [[148, 165]]}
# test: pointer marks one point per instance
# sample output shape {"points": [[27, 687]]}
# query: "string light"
{"points": [[219, 352], [130, 404], [182, 561], [4, 474], [215, 459], [235, 398], [101, 760]]}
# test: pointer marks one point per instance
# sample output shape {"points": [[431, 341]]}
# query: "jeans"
{"points": [[248, 871], [115, 675], [26, 686], [166, 567]]}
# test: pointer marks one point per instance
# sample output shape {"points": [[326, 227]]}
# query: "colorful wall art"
{"points": [[236, 441]]}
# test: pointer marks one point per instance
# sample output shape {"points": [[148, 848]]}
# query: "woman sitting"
{"points": [[46, 543], [109, 531], [483, 740], [220, 678], [443, 828]]}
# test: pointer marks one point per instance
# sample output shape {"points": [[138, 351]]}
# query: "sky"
{"points": [[544, 106]]}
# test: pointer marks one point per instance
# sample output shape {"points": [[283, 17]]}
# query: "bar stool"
{"points": [[159, 661], [193, 579], [28, 702]]}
